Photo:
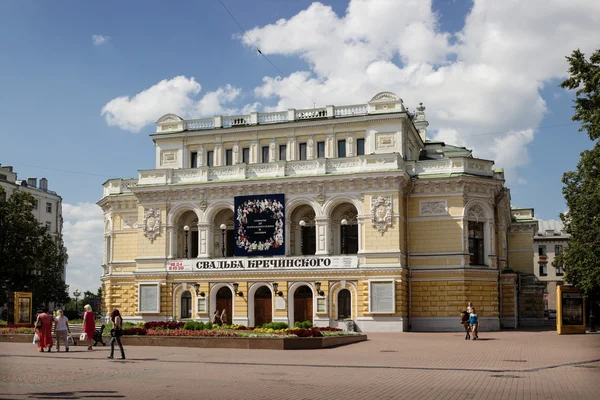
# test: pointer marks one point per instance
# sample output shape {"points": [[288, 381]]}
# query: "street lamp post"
{"points": [[302, 224], [186, 229], [76, 293], [344, 223], [223, 228]]}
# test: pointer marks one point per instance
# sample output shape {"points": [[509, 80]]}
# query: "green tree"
{"points": [[582, 187], [31, 259]]}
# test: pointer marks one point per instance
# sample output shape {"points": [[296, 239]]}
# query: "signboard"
{"points": [[572, 309], [251, 264], [321, 305], [381, 299], [259, 225], [148, 298], [279, 303], [201, 305]]}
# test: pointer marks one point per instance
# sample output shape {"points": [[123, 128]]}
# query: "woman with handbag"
{"points": [[116, 332], [89, 326], [43, 326], [61, 328]]}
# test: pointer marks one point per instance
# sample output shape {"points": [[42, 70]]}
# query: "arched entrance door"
{"points": [[186, 304], [303, 304], [344, 304], [224, 302], [263, 306]]}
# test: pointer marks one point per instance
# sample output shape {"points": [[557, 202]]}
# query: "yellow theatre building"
{"points": [[328, 215]]}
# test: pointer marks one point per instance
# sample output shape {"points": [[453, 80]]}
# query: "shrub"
{"points": [[275, 326], [303, 325], [310, 332], [20, 325], [193, 326], [208, 325], [163, 325], [134, 331]]}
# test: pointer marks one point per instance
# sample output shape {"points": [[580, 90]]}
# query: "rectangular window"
{"points": [[476, 243], [229, 157], [210, 158], [559, 270], [265, 154], [193, 159], [302, 151], [282, 152], [542, 250], [49, 207], [341, 148], [3, 177], [246, 155], [557, 250], [543, 269], [320, 149], [360, 147], [382, 297]]}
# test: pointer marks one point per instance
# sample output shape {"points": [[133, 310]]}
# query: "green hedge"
{"points": [[275, 325], [303, 325]]}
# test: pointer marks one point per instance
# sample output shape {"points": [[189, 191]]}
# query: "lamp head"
{"points": [[302, 223], [275, 286], [223, 227], [235, 287], [344, 221], [186, 228]]}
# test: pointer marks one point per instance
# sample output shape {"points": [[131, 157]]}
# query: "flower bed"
{"points": [[12, 330]]}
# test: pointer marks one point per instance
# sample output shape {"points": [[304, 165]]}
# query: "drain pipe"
{"points": [[407, 237]]}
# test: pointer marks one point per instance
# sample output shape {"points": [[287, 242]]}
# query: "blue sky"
{"points": [[56, 81]]}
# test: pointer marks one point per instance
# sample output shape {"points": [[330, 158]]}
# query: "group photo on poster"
{"points": [[259, 225]]}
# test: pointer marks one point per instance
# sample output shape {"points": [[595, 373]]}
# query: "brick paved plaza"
{"points": [[502, 365]]}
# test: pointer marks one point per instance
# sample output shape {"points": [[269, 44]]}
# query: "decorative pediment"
{"points": [[385, 97], [381, 212], [476, 212], [169, 118], [151, 224]]}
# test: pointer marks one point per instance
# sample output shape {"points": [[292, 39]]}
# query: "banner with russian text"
{"points": [[259, 225]]}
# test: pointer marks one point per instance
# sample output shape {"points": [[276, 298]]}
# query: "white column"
{"points": [[254, 152], [272, 151], [350, 145], [310, 149], [323, 232], [200, 157], [171, 231], [361, 225], [203, 234], [236, 157], [330, 147]]}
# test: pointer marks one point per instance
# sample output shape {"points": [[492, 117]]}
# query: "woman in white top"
{"points": [[469, 307], [61, 327]]}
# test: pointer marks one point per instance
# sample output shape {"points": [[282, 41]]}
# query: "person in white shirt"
{"points": [[469, 307], [61, 328]]}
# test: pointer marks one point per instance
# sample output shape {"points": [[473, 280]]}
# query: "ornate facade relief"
{"points": [[168, 157], [385, 141], [151, 223], [381, 212], [130, 222], [476, 212], [433, 207]]}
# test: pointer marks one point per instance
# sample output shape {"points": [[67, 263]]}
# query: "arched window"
{"points": [[186, 304], [344, 304], [477, 224]]}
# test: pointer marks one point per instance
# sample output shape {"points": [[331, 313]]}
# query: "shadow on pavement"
{"points": [[82, 394]]}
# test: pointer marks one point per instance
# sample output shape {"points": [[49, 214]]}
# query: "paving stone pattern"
{"points": [[502, 365]]}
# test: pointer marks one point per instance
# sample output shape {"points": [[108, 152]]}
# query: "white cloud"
{"points": [[522, 181], [177, 95], [83, 233], [100, 39], [489, 81]]}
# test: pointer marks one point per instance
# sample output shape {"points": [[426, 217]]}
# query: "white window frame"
{"points": [[393, 282], [155, 284]]}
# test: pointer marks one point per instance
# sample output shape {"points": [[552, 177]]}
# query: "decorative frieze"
{"points": [[433, 207]]}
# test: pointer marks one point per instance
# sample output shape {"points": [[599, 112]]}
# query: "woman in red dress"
{"points": [[89, 325], [44, 331]]}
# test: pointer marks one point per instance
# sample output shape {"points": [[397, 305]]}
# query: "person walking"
{"points": [[469, 307], [224, 317], [216, 320], [61, 329], [474, 322], [116, 332], [43, 326], [89, 325]]}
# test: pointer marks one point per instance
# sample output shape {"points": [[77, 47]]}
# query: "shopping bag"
{"points": [[36, 338], [83, 336], [70, 340]]}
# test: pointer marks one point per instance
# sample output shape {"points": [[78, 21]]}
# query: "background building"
{"points": [[379, 225], [550, 240]]}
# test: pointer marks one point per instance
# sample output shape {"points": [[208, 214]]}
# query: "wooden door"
{"points": [[224, 302], [303, 304], [263, 306]]}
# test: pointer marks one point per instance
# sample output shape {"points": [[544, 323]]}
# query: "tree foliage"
{"points": [[31, 259], [582, 187]]}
